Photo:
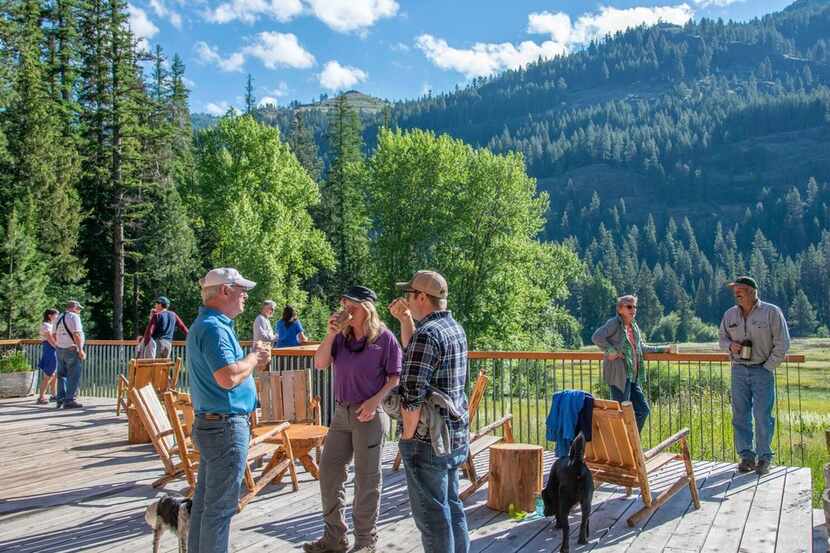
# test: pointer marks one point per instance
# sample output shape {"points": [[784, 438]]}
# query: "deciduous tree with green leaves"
{"points": [[251, 201], [474, 216]]}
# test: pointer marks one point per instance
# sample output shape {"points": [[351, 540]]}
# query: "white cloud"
{"points": [[610, 20], [248, 11], [485, 59], [161, 10], [218, 108], [279, 50], [340, 77], [267, 100], [209, 54], [557, 25], [141, 25], [352, 15], [279, 92], [716, 3]]}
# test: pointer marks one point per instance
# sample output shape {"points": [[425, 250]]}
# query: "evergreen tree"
{"points": [[301, 140], [250, 97], [343, 214], [43, 163], [801, 316], [23, 277]]}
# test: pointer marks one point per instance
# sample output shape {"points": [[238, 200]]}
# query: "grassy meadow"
{"points": [[694, 395]]}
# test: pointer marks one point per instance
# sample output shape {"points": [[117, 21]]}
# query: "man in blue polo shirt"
{"points": [[224, 396]]}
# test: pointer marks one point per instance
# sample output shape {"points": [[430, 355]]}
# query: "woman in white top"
{"points": [[49, 358]]}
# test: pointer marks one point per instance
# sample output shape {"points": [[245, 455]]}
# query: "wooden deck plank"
{"points": [[96, 503], [796, 513], [728, 525], [690, 534], [656, 534], [761, 529]]}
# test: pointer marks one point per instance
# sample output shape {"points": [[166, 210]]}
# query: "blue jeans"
{"points": [[69, 374], [223, 450], [633, 393], [432, 481], [753, 396]]}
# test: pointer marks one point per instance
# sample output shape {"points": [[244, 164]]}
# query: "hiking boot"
{"points": [[324, 545], [746, 465], [762, 468], [72, 405]]}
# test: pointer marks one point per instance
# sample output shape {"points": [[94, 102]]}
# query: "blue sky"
{"points": [[395, 49]]}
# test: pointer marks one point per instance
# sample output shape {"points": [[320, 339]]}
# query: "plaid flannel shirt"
{"points": [[436, 357]]}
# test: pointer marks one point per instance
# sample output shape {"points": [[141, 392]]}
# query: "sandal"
{"points": [[42, 401]]}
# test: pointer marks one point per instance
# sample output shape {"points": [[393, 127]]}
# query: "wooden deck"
{"points": [[69, 482]]}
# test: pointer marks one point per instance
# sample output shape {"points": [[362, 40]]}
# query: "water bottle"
{"points": [[540, 507]]}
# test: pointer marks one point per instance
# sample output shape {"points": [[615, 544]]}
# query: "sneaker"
{"points": [[746, 465], [52, 399], [58, 404], [72, 405], [325, 546], [762, 467]]}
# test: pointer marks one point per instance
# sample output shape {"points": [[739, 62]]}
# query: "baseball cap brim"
{"points": [[245, 283]]}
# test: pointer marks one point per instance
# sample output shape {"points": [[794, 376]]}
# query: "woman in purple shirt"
{"points": [[366, 363]]}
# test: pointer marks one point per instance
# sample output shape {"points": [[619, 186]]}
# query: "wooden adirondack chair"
{"points": [[481, 440], [286, 396], [180, 414], [615, 455], [163, 374], [158, 427]]}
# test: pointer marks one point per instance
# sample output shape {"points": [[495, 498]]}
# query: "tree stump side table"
{"points": [[515, 476]]}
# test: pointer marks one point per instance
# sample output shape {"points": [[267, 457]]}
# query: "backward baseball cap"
{"points": [[225, 275], [428, 282]]}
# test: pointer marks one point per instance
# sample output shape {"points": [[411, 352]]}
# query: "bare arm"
{"points": [[302, 338], [230, 376], [322, 357], [400, 310], [366, 411]]}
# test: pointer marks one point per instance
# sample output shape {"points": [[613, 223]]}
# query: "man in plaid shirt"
{"points": [[435, 357]]}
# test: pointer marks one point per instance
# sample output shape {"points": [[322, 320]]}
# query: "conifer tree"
{"points": [[301, 141], [343, 214], [802, 316]]}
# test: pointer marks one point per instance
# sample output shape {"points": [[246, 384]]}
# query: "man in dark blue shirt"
{"points": [[158, 338], [224, 395]]}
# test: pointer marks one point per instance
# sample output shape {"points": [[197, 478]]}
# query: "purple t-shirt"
{"points": [[358, 375]]}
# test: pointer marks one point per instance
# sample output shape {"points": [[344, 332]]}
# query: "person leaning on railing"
{"points": [[623, 367], [756, 336]]}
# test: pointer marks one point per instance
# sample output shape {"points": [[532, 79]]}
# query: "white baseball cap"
{"points": [[225, 275]]}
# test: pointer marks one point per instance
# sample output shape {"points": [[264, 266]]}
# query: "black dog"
{"points": [[169, 513], [570, 482]]}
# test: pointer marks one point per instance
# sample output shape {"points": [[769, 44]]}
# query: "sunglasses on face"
{"points": [[630, 307]]}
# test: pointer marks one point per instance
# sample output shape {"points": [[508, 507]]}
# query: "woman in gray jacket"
{"points": [[623, 367]]}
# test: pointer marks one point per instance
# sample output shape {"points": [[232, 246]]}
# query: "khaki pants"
{"points": [[349, 438]]}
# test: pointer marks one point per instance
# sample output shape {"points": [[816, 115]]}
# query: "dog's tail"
{"points": [[577, 452]]}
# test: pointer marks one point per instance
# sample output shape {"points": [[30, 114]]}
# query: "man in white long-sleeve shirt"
{"points": [[263, 331], [756, 336]]}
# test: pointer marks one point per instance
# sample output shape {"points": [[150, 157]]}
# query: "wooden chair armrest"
{"points": [[273, 431], [314, 405], [671, 440], [490, 427]]}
